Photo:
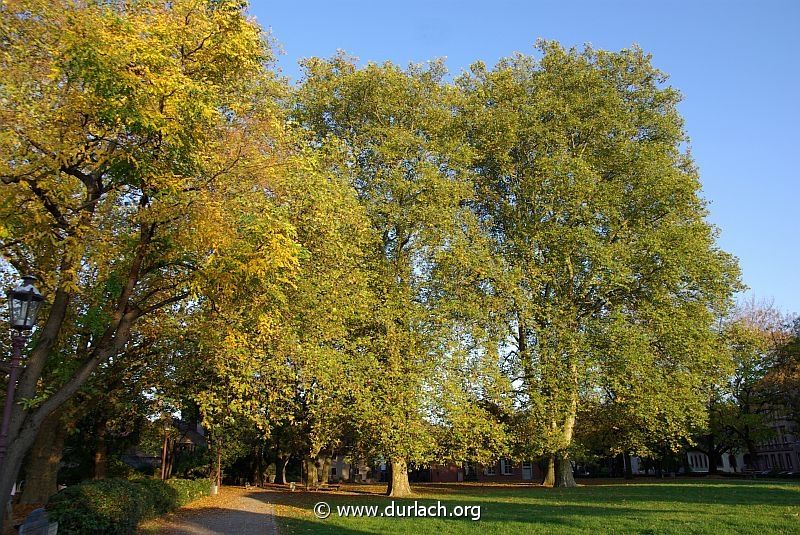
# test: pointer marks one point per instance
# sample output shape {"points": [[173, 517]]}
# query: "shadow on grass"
{"points": [[716, 492], [642, 508]]}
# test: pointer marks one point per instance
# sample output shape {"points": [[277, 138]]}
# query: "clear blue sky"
{"points": [[736, 63]]}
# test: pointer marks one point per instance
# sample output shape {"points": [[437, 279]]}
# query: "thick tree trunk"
{"points": [[312, 479], [258, 467], [398, 480], [564, 476], [283, 462], [712, 464], [712, 456], [44, 460], [10, 469], [326, 470], [101, 451], [550, 472]]}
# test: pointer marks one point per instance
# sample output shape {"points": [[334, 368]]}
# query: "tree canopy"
{"points": [[377, 261]]}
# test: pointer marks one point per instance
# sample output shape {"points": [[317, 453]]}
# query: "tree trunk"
{"points": [[164, 456], [398, 480], [10, 469], [219, 463], [753, 451], [44, 460], [311, 472], [712, 464], [25, 425], [101, 451], [564, 476], [628, 466], [550, 472], [326, 470], [712, 456], [283, 462]]}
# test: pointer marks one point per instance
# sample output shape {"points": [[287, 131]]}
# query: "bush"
{"points": [[188, 490], [116, 506], [118, 468], [192, 464]]}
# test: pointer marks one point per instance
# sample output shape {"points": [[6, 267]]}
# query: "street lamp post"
{"points": [[23, 304]]}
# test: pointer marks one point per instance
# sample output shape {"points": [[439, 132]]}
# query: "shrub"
{"points": [[117, 468], [188, 490], [116, 506], [192, 464]]}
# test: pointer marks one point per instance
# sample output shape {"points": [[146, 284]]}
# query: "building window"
{"points": [[491, 470], [506, 468], [333, 470], [789, 461]]}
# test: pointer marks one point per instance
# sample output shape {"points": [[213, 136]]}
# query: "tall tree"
{"points": [[288, 359], [612, 275], [404, 159], [132, 125]]}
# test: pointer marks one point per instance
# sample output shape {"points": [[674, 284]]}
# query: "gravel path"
{"points": [[233, 511]]}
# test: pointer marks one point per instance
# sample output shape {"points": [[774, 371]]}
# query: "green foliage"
{"points": [[193, 464], [610, 274], [147, 146], [743, 406], [116, 506], [378, 260], [405, 159], [188, 490]]}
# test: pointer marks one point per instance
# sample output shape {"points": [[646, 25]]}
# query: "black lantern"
{"points": [[24, 302]]}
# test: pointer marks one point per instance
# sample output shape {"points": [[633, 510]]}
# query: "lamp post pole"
{"points": [[18, 342], [23, 306]]}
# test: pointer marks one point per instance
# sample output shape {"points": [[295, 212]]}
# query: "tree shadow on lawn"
{"points": [[558, 505], [499, 516], [686, 492], [495, 518]]}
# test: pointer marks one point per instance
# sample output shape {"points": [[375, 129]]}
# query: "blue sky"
{"points": [[736, 63]]}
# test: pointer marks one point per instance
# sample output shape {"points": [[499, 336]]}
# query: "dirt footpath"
{"points": [[233, 511]]}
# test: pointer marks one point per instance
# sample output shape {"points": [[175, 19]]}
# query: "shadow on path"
{"points": [[249, 514]]}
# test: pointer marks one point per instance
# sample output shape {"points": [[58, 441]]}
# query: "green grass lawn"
{"points": [[710, 506]]}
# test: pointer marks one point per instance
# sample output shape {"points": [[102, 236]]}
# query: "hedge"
{"points": [[188, 490], [117, 506]]}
